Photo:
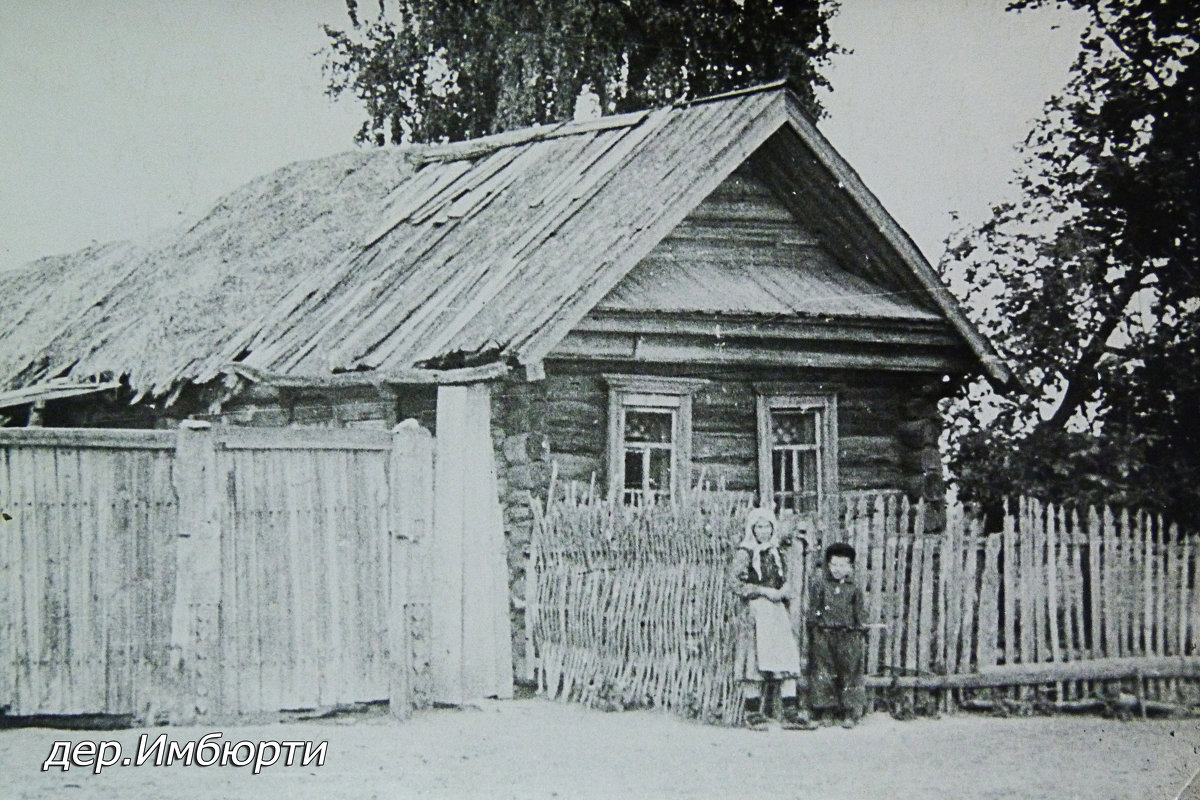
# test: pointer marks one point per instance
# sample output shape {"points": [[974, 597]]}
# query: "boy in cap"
{"points": [[835, 620]]}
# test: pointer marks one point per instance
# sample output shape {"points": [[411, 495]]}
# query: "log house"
{"points": [[701, 292]]}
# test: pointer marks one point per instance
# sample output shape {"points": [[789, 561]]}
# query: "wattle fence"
{"points": [[633, 606]]}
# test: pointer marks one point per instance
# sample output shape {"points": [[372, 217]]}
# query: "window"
{"points": [[797, 454], [649, 436]]}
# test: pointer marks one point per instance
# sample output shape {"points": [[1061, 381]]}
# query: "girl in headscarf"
{"points": [[769, 651]]}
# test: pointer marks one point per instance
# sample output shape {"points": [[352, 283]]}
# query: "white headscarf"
{"points": [[757, 548]]}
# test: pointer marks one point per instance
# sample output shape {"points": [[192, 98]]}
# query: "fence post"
{"points": [[194, 664], [408, 525]]}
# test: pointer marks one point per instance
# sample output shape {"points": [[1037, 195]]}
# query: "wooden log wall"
{"points": [[888, 428], [213, 571]]}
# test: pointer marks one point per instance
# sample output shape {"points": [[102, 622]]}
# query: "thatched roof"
{"points": [[438, 257], [157, 316], [39, 300]]}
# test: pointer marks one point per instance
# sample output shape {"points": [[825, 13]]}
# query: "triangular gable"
{"points": [[742, 252], [782, 128]]}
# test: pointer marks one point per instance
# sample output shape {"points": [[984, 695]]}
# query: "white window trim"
{"points": [[643, 391], [827, 436]]}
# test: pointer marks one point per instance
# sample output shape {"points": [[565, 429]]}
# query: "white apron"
{"points": [[775, 644]]}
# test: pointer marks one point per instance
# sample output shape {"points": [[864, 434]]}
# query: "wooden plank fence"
{"points": [[633, 607], [212, 571], [1052, 587]]}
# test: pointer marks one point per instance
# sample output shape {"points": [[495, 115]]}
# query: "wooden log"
{"points": [[1083, 706], [1105, 669]]}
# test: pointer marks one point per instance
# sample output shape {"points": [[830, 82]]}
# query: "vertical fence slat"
{"points": [[874, 512], [1053, 517], [1032, 613], [1147, 582], [913, 603], [1009, 574], [988, 647], [1183, 545], [925, 629], [972, 592]]}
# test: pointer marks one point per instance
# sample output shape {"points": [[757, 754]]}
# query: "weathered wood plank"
{"points": [[87, 437], [871, 514], [267, 439], [925, 629], [1010, 576], [1053, 586], [1049, 672], [987, 648]]}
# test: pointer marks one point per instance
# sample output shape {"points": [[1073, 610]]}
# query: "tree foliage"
{"points": [[1089, 282], [430, 70]]}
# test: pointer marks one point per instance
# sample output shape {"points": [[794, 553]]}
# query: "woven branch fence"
{"points": [[631, 606]]}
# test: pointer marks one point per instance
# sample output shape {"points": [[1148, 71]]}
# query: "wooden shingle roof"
{"points": [[444, 256]]}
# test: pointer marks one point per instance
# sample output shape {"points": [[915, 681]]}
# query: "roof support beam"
{"points": [[441, 377]]}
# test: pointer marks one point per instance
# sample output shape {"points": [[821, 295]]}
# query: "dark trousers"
{"points": [[836, 671]]}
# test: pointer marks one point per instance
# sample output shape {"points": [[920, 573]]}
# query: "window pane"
{"points": [[660, 472], [633, 470], [794, 427], [648, 426], [795, 473]]}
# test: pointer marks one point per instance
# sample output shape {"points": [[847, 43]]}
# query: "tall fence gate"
{"points": [[170, 574]]}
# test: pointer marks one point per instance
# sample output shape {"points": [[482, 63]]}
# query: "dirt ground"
{"points": [[540, 749]]}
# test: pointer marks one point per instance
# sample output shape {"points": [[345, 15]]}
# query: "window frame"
{"points": [[651, 393], [771, 399]]}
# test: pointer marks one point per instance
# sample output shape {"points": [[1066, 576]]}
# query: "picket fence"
{"points": [[1058, 598], [633, 607]]}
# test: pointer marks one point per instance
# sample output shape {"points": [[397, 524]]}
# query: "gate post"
{"points": [[194, 664], [472, 643], [410, 497]]}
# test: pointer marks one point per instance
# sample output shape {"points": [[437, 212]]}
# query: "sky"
{"points": [[122, 118]]}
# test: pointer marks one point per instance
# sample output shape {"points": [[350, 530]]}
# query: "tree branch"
{"points": [[1081, 380]]}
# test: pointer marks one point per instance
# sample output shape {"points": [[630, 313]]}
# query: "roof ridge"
{"points": [[780, 83], [483, 145]]}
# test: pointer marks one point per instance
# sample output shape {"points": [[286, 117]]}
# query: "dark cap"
{"points": [[839, 549]]}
